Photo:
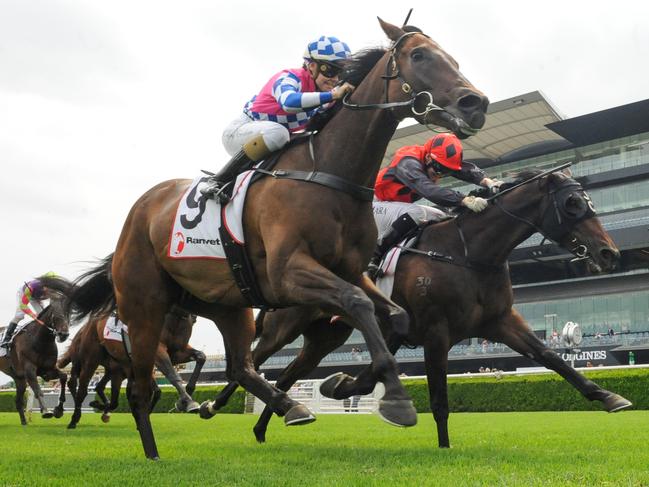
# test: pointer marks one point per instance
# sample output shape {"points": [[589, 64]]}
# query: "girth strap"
{"points": [[357, 191], [242, 270]]}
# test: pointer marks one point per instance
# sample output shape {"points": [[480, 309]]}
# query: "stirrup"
{"points": [[374, 271], [219, 191]]}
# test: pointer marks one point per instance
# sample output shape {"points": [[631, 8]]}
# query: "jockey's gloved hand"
{"points": [[339, 91], [475, 203], [492, 184]]}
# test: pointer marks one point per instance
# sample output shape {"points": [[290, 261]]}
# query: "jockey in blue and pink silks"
{"points": [[30, 296], [284, 105]]}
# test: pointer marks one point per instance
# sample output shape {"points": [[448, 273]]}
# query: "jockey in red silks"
{"points": [[413, 174], [284, 105], [30, 295]]}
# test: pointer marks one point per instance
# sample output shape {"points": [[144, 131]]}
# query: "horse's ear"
{"points": [[392, 31], [567, 171]]}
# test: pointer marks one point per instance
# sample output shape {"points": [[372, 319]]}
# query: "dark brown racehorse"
{"points": [[461, 291], [90, 348], [34, 353], [307, 243]]}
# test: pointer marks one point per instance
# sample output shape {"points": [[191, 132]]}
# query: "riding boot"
{"points": [[400, 228], [220, 185], [8, 334]]}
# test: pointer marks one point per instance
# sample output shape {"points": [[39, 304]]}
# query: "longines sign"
{"points": [[585, 355]]}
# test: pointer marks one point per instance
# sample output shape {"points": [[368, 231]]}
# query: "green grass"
{"points": [[542, 448]]}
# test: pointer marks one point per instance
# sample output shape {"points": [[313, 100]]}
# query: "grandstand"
{"points": [[609, 151]]}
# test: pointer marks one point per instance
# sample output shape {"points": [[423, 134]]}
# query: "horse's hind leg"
{"points": [[100, 388], [436, 360], [185, 403], [320, 338], [238, 330], [198, 357], [516, 334], [87, 369]]}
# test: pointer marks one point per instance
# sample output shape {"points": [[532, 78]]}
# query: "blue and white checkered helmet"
{"points": [[328, 49]]}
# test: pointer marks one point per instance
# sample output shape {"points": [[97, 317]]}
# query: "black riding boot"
{"points": [[8, 334], [400, 227], [221, 183], [223, 179]]}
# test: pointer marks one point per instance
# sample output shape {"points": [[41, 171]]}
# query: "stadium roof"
{"points": [[515, 129]]}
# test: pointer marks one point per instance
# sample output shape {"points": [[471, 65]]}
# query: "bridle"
{"points": [[392, 72], [556, 221]]}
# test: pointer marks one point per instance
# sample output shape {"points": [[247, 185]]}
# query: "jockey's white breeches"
{"points": [[386, 212], [242, 129]]}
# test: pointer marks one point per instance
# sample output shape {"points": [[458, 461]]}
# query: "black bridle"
{"points": [[392, 72], [557, 221]]}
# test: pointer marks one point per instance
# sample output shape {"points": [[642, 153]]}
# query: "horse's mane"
{"points": [[355, 70]]}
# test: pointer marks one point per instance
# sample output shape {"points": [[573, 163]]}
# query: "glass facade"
{"points": [[624, 312]]}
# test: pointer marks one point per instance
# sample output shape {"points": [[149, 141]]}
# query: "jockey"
{"points": [[283, 106], [30, 295], [413, 174]]}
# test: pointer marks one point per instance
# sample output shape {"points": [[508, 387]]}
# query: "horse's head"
{"points": [[54, 316], [420, 70], [567, 216]]}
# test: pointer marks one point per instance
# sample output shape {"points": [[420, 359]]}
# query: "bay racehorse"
{"points": [[91, 348], [307, 242], [33, 354], [455, 285]]}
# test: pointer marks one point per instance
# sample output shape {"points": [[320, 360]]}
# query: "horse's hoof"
{"points": [[47, 414], [205, 411], [260, 434], [331, 383], [105, 418], [297, 415], [187, 407], [72, 426], [23, 423], [97, 405], [614, 403], [58, 412], [398, 412], [192, 407]]}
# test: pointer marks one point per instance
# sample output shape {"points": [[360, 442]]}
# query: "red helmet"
{"points": [[445, 149]]}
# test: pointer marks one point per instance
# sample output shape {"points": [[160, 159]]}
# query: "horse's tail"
{"points": [[93, 292]]}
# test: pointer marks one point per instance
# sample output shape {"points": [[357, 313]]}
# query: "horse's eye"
{"points": [[417, 56]]}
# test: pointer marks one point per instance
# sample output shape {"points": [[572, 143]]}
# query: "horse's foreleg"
{"points": [[320, 338], [21, 386], [516, 334], [185, 402], [436, 359], [63, 378], [306, 282], [198, 357], [30, 374]]}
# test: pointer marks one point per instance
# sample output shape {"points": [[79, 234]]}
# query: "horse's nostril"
{"points": [[470, 102], [609, 255]]}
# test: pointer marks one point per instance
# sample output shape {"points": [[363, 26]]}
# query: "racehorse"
{"points": [[34, 353], [307, 242], [455, 285], [90, 348]]}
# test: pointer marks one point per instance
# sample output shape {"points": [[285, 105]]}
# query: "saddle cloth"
{"points": [[388, 266], [19, 328], [195, 233], [113, 329]]}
